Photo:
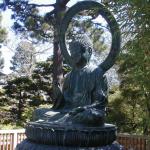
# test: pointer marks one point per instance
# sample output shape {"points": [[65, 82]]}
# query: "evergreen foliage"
{"points": [[18, 90], [134, 20], [42, 77], [24, 59], [3, 35], [23, 93]]}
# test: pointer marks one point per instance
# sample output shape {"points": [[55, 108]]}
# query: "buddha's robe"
{"points": [[85, 88]]}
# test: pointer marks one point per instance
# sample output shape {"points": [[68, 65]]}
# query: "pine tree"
{"points": [[3, 35], [18, 90], [42, 77], [24, 59]]}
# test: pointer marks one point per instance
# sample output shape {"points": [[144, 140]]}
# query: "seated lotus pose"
{"points": [[83, 97]]}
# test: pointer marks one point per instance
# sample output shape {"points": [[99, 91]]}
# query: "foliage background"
{"points": [[129, 104]]}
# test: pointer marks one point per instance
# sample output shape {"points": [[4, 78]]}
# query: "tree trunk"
{"points": [[20, 107], [58, 59]]}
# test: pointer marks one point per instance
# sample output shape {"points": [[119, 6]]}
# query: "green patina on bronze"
{"points": [[84, 93], [77, 117]]}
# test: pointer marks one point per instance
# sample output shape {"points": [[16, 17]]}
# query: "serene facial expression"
{"points": [[76, 52]]}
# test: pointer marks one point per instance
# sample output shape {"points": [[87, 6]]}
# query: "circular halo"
{"points": [[114, 29]]}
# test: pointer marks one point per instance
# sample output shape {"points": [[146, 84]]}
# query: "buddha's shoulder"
{"points": [[94, 69]]}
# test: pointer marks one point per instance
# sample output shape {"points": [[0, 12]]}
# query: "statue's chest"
{"points": [[81, 82]]}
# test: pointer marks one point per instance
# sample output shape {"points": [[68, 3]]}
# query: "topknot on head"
{"points": [[84, 40]]}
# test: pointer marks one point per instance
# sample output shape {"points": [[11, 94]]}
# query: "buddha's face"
{"points": [[79, 54], [76, 52]]}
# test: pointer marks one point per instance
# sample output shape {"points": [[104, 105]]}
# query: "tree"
{"points": [[18, 90], [24, 59], [22, 94], [25, 93], [42, 78], [135, 77], [5, 113], [133, 17], [45, 28], [3, 35], [124, 111], [40, 26]]}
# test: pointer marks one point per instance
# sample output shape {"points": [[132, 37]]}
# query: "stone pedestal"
{"points": [[47, 136], [28, 145]]}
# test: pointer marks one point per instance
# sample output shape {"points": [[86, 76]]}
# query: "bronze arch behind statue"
{"points": [[114, 29]]}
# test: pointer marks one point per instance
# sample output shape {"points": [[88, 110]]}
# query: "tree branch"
{"points": [[31, 4], [63, 3], [42, 5]]}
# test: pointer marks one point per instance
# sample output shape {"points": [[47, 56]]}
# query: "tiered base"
{"points": [[27, 145], [50, 136], [65, 135]]}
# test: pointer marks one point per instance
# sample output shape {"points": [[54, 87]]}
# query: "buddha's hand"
{"points": [[57, 96], [77, 110], [89, 117]]}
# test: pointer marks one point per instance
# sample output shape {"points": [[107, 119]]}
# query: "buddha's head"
{"points": [[81, 50]]}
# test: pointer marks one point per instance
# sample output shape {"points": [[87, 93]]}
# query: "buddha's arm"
{"points": [[57, 97], [62, 95]]}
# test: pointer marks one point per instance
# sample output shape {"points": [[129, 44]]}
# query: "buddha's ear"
{"points": [[90, 51], [83, 49]]}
